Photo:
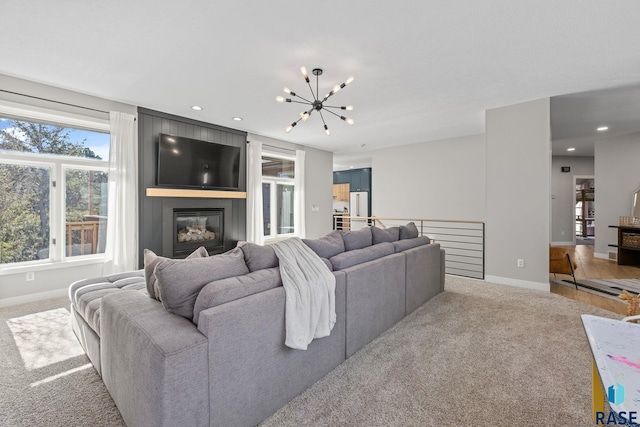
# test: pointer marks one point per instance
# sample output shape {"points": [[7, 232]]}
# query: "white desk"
{"points": [[616, 354]]}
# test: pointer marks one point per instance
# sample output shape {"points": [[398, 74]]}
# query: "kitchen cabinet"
{"points": [[341, 192], [361, 180], [358, 179], [342, 177]]}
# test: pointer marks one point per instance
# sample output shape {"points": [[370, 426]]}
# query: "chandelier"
{"points": [[316, 104]]}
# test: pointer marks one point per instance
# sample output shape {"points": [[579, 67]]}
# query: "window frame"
{"points": [[274, 181], [58, 165]]}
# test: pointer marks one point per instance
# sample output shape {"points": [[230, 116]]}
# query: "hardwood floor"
{"points": [[590, 267], [597, 268]]}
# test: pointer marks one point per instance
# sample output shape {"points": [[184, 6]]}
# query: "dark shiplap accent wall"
{"points": [[150, 125]]}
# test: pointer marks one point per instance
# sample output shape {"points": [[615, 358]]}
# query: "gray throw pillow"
{"points": [[381, 235], [409, 231], [325, 247], [258, 257], [357, 239], [150, 262], [180, 281]]}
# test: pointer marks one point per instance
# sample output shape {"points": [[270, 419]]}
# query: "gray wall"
{"points": [[517, 181], [50, 280], [150, 125], [563, 203], [617, 176], [318, 180], [432, 180]]}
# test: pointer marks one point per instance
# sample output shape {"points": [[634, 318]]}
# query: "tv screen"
{"points": [[186, 162]]}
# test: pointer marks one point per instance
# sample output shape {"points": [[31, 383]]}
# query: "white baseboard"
{"points": [[24, 299], [602, 256], [569, 243], [526, 284]]}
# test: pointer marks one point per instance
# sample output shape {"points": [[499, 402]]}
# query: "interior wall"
{"points": [[318, 180], [617, 171], [563, 195], [517, 197], [432, 180], [50, 280]]}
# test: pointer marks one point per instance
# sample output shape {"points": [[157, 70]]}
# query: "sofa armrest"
{"points": [[154, 363]]}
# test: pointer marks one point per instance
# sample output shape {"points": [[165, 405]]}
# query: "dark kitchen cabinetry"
{"points": [[358, 179]]}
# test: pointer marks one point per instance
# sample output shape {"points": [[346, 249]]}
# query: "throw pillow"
{"points": [[180, 281], [381, 235], [150, 262], [409, 231], [357, 239], [327, 246], [258, 257]]}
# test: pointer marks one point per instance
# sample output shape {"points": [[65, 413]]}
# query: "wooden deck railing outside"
{"points": [[88, 237]]}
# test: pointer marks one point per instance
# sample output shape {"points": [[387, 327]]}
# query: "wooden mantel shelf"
{"points": [[205, 194]]}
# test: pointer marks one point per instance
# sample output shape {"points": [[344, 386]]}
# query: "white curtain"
{"points": [[298, 196], [255, 231], [121, 251]]}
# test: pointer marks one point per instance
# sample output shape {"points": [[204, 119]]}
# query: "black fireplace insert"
{"points": [[198, 227]]}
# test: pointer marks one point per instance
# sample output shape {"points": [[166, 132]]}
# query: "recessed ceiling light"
{"points": [[350, 166], [571, 149], [603, 128], [196, 107], [237, 119]]}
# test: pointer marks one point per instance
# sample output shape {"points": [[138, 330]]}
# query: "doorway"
{"points": [[585, 214]]}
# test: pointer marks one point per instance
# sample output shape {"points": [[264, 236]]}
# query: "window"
{"points": [[53, 192], [278, 173]]}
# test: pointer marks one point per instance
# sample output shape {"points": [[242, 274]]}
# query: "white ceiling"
{"points": [[424, 70]]}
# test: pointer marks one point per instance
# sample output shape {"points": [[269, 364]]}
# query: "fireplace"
{"points": [[193, 228]]}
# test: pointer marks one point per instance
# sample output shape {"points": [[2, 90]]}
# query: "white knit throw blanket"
{"points": [[310, 293]]}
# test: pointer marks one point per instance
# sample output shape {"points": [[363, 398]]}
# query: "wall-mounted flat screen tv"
{"points": [[190, 163]]}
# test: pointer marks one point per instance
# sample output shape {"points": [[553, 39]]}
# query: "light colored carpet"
{"points": [[478, 354]]}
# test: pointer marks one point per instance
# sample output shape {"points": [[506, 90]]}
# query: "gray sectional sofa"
{"points": [[201, 341]]}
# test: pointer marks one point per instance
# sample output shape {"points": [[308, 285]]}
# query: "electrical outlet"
{"points": [[315, 208], [520, 263], [30, 276]]}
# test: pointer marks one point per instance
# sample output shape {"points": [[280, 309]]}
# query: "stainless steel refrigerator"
{"points": [[359, 207]]}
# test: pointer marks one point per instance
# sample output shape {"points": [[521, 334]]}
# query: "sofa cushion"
{"points": [[85, 295], [381, 235], [150, 262], [357, 239], [226, 290], [180, 281], [409, 231], [359, 256], [258, 257], [325, 247], [403, 245]]}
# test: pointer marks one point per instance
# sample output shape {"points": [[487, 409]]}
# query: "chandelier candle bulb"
{"points": [[326, 130]]}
